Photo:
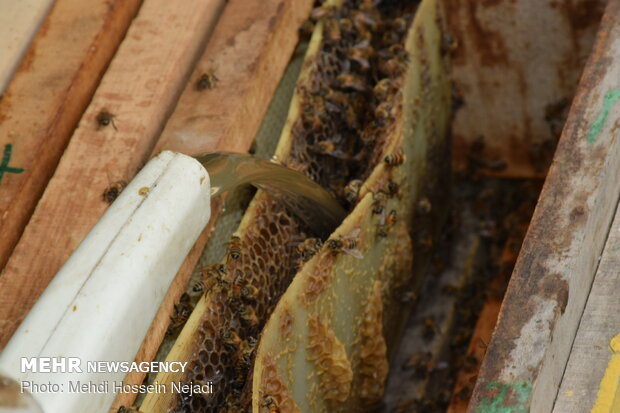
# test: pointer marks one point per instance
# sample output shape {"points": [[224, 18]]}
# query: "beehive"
{"points": [[517, 64], [356, 114]]}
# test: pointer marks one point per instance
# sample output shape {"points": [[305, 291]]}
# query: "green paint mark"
{"points": [[508, 398], [596, 128], [4, 165]]}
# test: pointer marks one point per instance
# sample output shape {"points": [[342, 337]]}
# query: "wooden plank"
{"points": [[549, 287], [139, 90], [517, 65], [46, 98], [19, 21], [248, 52], [591, 352]]}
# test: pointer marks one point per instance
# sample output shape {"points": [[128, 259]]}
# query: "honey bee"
{"points": [[398, 50], [328, 148], [393, 67], [387, 222], [429, 328], [312, 121], [336, 97], [234, 248], [206, 81], [352, 190], [332, 30], [211, 276], [249, 293], [350, 81], [408, 296], [363, 20], [238, 382], [369, 134], [105, 118], [424, 206], [361, 54], [309, 248], [113, 191], [322, 11], [399, 25], [378, 202], [240, 289], [383, 88], [231, 339], [395, 158], [244, 353], [271, 404], [393, 188], [346, 25], [306, 29], [347, 244], [131, 409], [248, 315], [382, 112], [182, 311]]}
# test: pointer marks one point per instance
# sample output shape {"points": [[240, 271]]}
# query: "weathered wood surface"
{"points": [[517, 65], [550, 284], [139, 89], [44, 102], [248, 52], [599, 324], [19, 21]]}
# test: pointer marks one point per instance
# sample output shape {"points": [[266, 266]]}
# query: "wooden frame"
{"points": [[552, 278]]}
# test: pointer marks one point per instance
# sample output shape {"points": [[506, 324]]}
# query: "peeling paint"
{"points": [[596, 128], [508, 398]]}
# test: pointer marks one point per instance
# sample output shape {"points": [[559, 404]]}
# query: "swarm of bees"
{"points": [[345, 106]]}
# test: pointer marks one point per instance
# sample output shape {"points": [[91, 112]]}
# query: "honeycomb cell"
{"points": [[373, 350], [333, 365]]}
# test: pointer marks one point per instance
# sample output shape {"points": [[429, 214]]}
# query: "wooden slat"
{"points": [[19, 21], [517, 65], [46, 98], [140, 89], [549, 287], [248, 52], [600, 323]]}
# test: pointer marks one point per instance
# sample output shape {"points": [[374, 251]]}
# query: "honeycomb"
{"points": [[344, 130], [351, 291], [373, 350], [330, 358]]}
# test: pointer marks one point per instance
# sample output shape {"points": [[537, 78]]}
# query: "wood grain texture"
{"points": [[600, 323], [248, 53], [47, 96], [248, 57], [140, 89], [517, 65], [19, 21], [553, 275]]}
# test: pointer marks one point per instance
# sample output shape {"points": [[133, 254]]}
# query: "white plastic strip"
{"points": [[102, 302]]}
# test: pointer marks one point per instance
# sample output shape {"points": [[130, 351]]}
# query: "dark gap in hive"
{"points": [[497, 212]]}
